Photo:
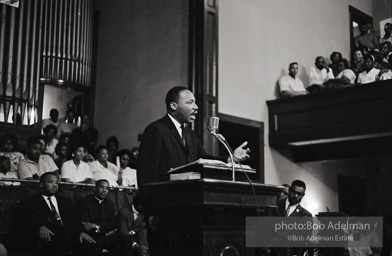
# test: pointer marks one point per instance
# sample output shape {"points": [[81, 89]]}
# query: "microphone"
{"points": [[213, 124]]}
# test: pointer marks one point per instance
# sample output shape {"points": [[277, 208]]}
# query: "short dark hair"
{"points": [[318, 57], [43, 176], [3, 158], [99, 148], [112, 139], [369, 57], [123, 152], [32, 141], [172, 96], [293, 63], [42, 137], [345, 62], [53, 110], [298, 183], [58, 147], [389, 44], [65, 135], [11, 137], [50, 126], [101, 180], [333, 53]]}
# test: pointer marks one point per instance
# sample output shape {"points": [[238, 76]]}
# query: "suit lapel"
{"points": [[174, 131]]}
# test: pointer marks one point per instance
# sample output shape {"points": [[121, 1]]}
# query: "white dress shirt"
{"points": [[368, 77]]}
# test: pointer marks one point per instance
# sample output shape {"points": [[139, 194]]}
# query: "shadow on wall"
{"points": [[277, 90]]}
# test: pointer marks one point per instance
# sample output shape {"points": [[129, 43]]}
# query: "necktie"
{"points": [[54, 211], [287, 211], [183, 134]]}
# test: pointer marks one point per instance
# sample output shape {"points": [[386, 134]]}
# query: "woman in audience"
{"points": [[129, 174], [370, 74], [51, 141], [102, 169], [68, 125], [386, 52], [358, 65], [346, 76], [112, 146], [61, 151], [75, 170], [9, 142], [335, 57]]}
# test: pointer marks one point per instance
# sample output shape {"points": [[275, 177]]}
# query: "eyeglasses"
{"points": [[125, 159]]}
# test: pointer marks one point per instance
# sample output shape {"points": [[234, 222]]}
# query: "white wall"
{"points": [[142, 52], [257, 41]]}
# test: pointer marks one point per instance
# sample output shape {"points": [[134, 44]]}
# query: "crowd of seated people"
{"points": [[372, 61], [72, 155], [49, 224]]}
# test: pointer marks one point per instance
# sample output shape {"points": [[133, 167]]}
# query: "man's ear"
{"points": [[173, 106]]}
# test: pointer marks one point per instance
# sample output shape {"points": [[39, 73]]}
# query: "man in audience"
{"points": [[49, 222], [291, 208], [54, 119], [318, 74], [97, 220], [68, 125], [365, 39], [388, 33], [132, 228], [289, 84], [346, 76], [86, 134], [168, 143], [35, 164], [282, 196]]}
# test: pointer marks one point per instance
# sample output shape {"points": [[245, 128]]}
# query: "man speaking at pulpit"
{"points": [[169, 143]]}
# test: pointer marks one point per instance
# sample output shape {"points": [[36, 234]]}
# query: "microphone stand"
{"points": [[221, 139]]}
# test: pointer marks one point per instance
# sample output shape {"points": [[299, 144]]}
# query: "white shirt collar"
{"points": [[291, 206], [176, 124], [99, 200]]}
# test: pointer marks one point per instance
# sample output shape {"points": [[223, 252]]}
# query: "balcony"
{"points": [[354, 122]]}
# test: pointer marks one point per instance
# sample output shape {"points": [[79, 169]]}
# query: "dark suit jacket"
{"points": [[89, 210], [126, 221], [289, 251], [298, 212], [162, 148], [36, 213]]}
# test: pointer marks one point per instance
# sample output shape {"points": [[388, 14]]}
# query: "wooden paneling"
{"points": [[203, 65], [356, 115]]}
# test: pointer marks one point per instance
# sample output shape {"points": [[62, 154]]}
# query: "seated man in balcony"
{"points": [[290, 85], [54, 119], [318, 75], [35, 164]]}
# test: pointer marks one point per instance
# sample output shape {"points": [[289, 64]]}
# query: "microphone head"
{"points": [[213, 123]]}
